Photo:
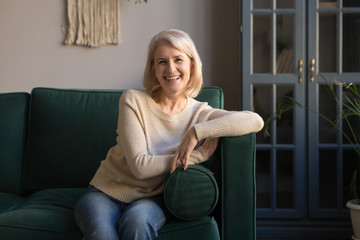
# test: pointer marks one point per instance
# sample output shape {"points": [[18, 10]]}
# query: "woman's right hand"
{"points": [[209, 147], [182, 154]]}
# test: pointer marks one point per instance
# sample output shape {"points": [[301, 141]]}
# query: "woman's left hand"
{"points": [[182, 154]]}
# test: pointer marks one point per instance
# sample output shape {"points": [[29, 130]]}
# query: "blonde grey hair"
{"points": [[181, 41]]}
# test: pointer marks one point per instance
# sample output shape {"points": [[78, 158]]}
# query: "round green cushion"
{"points": [[191, 194]]}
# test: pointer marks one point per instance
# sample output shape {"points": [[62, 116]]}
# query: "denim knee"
{"points": [[100, 216], [141, 220], [97, 215]]}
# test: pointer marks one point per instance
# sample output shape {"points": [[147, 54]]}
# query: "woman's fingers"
{"points": [[185, 160], [182, 154], [180, 158], [175, 163]]}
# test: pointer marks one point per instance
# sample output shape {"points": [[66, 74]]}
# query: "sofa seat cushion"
{"points": [[202, 229], [9, 201], [47, 214]]}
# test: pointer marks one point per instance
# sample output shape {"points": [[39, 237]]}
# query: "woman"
{"points": [[158, 130]]}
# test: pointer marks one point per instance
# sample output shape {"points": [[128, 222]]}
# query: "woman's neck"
{"points": [[170, 104]]}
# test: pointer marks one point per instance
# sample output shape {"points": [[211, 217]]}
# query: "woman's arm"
{"points": [[220, 123], [215, 123]]}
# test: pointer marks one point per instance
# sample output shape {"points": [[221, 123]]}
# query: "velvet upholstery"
{"points": [[191, 194], [13, 121], [52, 142]]}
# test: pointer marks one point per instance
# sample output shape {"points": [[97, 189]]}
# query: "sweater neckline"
{"points": [[165, 116]]}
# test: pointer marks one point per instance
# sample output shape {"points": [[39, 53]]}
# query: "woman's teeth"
{"points": [[172, 78]]}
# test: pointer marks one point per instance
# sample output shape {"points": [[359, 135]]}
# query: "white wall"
{"points": [[32, 53]]}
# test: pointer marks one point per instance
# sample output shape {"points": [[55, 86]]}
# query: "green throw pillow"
{"points": [[191, 194]]}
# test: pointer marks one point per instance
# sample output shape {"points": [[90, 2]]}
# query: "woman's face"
{"points": [[172, 69]]}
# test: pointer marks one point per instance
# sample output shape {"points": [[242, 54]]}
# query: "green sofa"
{"points": [[51, 143]]}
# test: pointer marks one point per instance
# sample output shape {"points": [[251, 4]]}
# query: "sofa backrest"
{"points": [[13, 121], [71, 131]]}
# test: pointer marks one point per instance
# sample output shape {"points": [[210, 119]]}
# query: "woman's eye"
{"points": [[179, 60], [162, 62]]}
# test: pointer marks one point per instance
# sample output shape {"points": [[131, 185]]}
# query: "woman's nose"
{"points": [[171, 66]]}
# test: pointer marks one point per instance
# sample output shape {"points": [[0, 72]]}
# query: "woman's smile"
{"points": [[173, 78]]}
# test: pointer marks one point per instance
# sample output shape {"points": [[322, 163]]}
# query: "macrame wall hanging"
{"points": [[93, 23]]}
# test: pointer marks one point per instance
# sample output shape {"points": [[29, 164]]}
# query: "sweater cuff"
{"points": [[198, 156]]}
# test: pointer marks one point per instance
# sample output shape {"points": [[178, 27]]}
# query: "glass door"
{"points": [[273, 67], [334, 55]]}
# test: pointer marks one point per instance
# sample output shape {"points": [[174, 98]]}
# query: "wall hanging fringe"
{"points": [[93, 23]]}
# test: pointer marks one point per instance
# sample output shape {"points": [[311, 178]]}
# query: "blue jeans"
{"points": [[100, 216]]}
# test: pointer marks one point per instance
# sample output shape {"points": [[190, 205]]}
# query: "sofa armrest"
{"points": [[238, 188]]}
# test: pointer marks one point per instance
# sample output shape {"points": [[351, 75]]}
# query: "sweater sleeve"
{"points": [[221, 123], [133, 142], [198, 156]]}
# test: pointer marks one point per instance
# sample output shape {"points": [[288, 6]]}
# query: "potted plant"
{"points": [[350, 109]]}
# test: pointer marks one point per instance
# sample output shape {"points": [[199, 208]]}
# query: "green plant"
{"points": [[350, 106]]}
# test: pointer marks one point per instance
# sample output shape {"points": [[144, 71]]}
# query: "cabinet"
{"points": [[303, 169]]}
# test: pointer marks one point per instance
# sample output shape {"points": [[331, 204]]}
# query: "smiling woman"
{"points": [[159, 129]]}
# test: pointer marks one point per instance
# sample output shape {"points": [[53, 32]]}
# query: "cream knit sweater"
{"points": [[138, 164]]}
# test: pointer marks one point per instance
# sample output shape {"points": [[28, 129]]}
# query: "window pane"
{"points": [[261, 4], [263, 179], [327, 107], [328, 46], [351, 39], [262, 105], [261, 49], [284, 126], [353, 121], [284, 43], [328, 178], [328, 4], [351, 3], [285, 179], [350, 162], [284, 4]]}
